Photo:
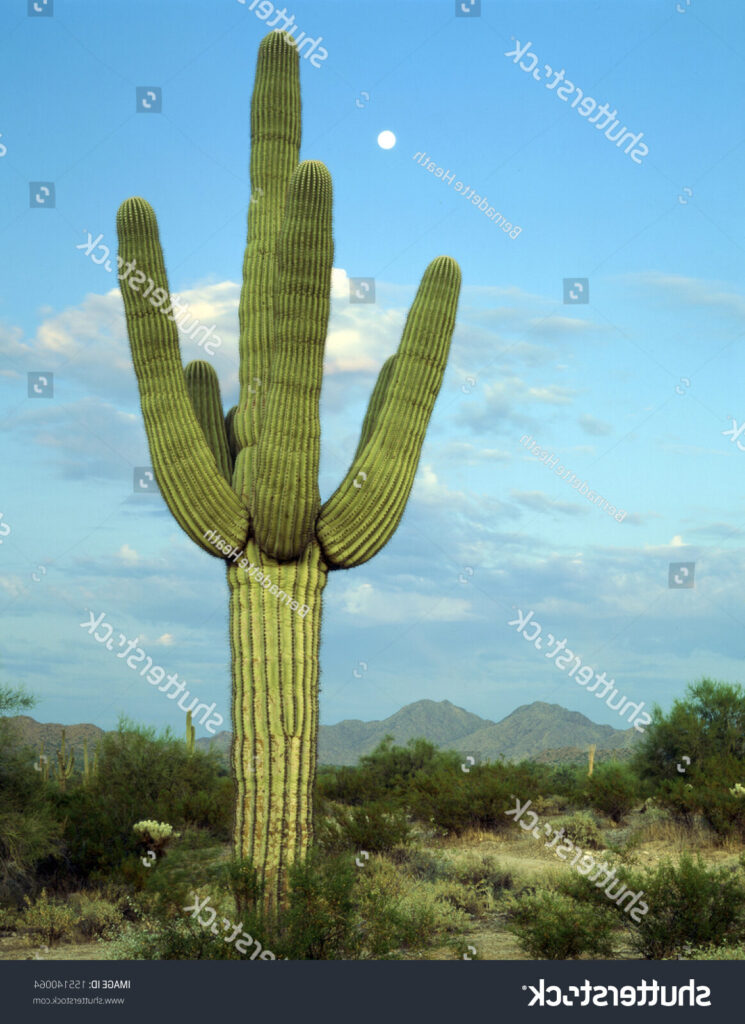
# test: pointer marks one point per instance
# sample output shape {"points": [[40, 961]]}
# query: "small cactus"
{"points": [[64, 765], [189, 734], [42, 764], [89, 771]]}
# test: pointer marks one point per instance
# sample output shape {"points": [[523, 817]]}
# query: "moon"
{"points": [[386, 140]]}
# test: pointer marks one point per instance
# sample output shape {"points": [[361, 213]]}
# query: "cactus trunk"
{"points": [[248, 481], [275, 708]]}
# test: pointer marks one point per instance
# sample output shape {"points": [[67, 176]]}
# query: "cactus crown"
{"points": [[254, 472]]}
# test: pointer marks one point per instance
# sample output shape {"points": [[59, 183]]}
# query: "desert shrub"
{"points": [[481, 871], [49, 919], [167, 884], [320, 922], [8, 920], [568, 781], [240, 879], [417, 862], [386, 772], [176, 939], [613, 789], [708, 728], [401, 913], [712, 953], [377, 827], [95, 916], [140, 775], [476, 899], [553, 926], [581, 828], [29, 828], [454, 801], [689, 904]]}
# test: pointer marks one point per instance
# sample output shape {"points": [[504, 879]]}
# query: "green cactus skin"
{"points": [[251, 476], [189, 734], [65, 765]]}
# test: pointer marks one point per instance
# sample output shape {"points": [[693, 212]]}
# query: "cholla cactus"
{"points": [[246, 484], [155, 835], [738, 790]]}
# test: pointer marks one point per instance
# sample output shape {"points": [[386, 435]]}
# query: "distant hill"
{"points": [[535, 728], [442, 723], [537, 731], [29, 731]]}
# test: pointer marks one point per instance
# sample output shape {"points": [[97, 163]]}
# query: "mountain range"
{"points": [[537, 731]]}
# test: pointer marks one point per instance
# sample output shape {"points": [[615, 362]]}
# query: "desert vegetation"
{"points": [[415, 854]]}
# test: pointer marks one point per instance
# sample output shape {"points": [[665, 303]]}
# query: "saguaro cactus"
{"points": [[190, 732], [244, 486]]}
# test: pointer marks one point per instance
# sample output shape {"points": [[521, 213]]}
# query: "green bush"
{"points": [[417, 862], [397, 912], [140, 775], [689, 905], [582, 829], [29, 827], [320, 922], [482, 871], [47, 918], [377, 827], [553, 926], [384, 773], [713, 953], [613, 789], [95, 917], [176, 939]]}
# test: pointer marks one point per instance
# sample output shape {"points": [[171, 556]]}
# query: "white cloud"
{"points": [[372, 606], [128, 555]]}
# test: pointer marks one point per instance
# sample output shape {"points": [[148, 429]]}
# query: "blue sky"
{"points": [[488, 529]]}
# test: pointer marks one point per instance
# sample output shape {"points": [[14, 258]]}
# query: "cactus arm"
{"points": [[285, 497], [230, 432], [204, 392], [357, 521], [188, 476], [376, 403], [275, 151]]}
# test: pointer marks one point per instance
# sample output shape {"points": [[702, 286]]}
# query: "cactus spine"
{"points": [[250, 479]]}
